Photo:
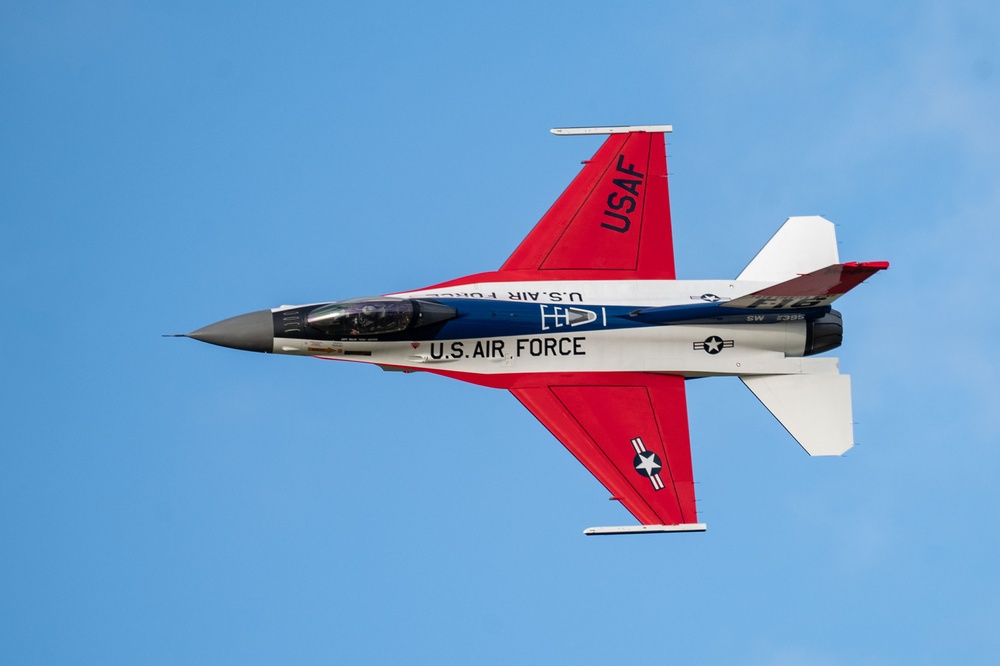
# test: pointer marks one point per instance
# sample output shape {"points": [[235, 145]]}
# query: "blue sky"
{"points": [[164, 167]]}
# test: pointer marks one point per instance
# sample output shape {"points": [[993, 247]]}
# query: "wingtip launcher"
{"points": [[644, 529], [612, 129]]}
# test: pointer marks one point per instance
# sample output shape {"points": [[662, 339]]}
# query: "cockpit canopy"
{"points": [[368, 317]]}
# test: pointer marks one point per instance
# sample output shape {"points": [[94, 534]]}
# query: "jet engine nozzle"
{"points": [[825, 333]]}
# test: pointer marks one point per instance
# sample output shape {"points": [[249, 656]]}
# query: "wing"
{"points": [[631, 431], [613, 218]]}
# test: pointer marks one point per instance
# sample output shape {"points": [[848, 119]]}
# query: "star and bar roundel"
{"points": [[647, 463], [713, 344]]}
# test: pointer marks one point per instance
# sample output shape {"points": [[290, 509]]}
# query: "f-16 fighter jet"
{"points": [[587, 325]]}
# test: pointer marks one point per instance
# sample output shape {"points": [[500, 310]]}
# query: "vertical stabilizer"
{"points": [[802, 245], [815, 409]]}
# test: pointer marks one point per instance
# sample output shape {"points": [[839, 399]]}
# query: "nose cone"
{"points": [[250, 332]]}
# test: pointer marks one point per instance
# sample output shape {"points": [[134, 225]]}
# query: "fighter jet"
{"points": [[587, 325]]}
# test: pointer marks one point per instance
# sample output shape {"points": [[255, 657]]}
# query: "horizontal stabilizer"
{"points": [[802, 245], [813, 290], [644, 529], [814, 409]]}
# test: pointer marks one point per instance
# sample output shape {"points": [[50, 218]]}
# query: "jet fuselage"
{"points": [[675, 327]]}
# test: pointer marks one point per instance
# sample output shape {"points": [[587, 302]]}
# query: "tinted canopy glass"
{"points": [[363, 317]]}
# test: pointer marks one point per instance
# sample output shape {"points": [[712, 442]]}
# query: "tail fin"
{"points": [[802, 245], [815, 409]]}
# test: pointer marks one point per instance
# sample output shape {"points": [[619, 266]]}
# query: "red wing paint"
{"points": [[811, 290], [613, 218], [630, 430], [611, 223]]}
